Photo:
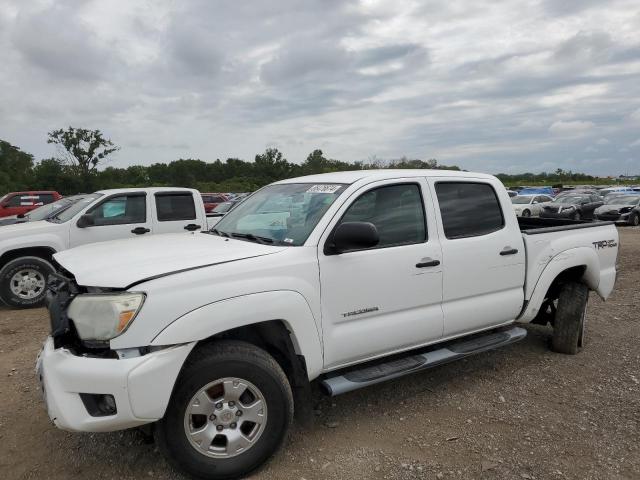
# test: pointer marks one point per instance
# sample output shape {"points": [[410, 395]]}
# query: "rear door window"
{"points": [[468, 209], [175, 206]]}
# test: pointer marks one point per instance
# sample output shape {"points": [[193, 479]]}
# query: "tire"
{"points": [[569, 324], [34, 271], [634, 219], [230, 361], [577, 216], [526, 213]]}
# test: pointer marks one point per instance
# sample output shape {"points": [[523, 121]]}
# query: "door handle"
{"points": [[140, 230], [509, 251], [428, 263], [192, 226]]}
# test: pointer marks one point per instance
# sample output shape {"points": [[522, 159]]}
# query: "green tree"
{"points": [[15, 168], [83, 150]]}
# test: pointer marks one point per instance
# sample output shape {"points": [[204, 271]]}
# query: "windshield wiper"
{"points": [[253, 238], [220, 233]]}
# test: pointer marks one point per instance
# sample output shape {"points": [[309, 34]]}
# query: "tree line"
{"points": [[81, 152]]}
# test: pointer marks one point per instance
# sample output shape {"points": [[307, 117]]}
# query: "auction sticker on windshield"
{"points": [[324, 189]]}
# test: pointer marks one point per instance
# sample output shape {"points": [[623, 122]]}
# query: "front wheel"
{"points": [[570, 318], [634, 219], [526, 213], [23, 282], [577, 216], [229, 412]]}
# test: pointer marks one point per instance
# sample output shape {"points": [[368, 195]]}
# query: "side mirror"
{"points": [[534, 202], [85, 221], [354, 236]]}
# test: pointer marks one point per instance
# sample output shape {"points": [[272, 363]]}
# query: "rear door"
{"points": [[385, 298], [483, 255], [118, 216], [176, 212]]}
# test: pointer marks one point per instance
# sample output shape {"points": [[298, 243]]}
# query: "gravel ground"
{"points": [[521, 412]]}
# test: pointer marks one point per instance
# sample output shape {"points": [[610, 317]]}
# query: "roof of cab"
{"points": [[353, 176], [144, 189]]}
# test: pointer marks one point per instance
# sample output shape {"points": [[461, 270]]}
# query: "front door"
{"points": [[386, 298], [122, 215], [482, 255]]}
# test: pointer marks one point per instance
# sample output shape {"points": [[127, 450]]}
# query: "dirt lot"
{"points": [[519, 412]]}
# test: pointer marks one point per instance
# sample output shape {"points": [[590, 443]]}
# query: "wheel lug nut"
{"points": [[212, 417], [239, 413], [219, 428], [233, 425], [232, 404], [218, 405]]}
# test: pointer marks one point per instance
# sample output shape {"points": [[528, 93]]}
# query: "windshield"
{"points": [[283, 214], [521, 200], [70, 212], [45, 211], [571, 199]]}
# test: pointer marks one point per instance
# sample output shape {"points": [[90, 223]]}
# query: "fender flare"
{"points": [[287, 306], [573, 257]]}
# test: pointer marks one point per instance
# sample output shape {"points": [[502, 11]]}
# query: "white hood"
{"points": [[120, 263]]}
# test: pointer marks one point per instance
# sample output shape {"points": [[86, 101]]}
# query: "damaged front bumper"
{"points": [[103, 390]]}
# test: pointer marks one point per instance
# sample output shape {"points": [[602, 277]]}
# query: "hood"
{"points": [[612, 207], [27, 228], [121, 263], [11, 220]]}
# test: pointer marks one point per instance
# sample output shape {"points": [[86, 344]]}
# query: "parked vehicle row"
{"points": [[214, 338]]}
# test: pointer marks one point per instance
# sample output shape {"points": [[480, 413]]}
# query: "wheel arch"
{"points": [[282, 320], [578, 264], [45, 253]]}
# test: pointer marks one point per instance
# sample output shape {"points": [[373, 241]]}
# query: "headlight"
{"points": [[103, 317], [562, 209]]}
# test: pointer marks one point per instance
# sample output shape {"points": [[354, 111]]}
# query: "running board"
{"points": [[383, 370]]}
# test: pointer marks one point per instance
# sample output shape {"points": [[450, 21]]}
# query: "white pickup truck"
{"points": [[26, 249], [347, 279]]}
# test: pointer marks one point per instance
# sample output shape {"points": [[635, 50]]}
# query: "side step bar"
{"points": [[361, 376]]}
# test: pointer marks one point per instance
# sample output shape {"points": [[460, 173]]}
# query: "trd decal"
{"points": [[604, 244]]}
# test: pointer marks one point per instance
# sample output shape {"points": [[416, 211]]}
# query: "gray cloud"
{"points": [[493, 86]]}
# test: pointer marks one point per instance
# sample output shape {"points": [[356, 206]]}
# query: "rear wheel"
{"points": [[634, 219], [229, 412], [570, 318], [23, 282], [526, 213]]}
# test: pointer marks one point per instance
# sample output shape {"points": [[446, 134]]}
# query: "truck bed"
{"points": [[533, 226], [550, 240]]}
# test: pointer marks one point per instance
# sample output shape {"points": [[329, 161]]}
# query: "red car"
{"points": [[18, 203], [211, 200]]}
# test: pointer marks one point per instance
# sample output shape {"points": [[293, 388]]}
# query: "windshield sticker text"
{"points": [[324, 189]]}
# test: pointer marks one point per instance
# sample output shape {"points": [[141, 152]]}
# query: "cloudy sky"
{"points": [[512, 85]]}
